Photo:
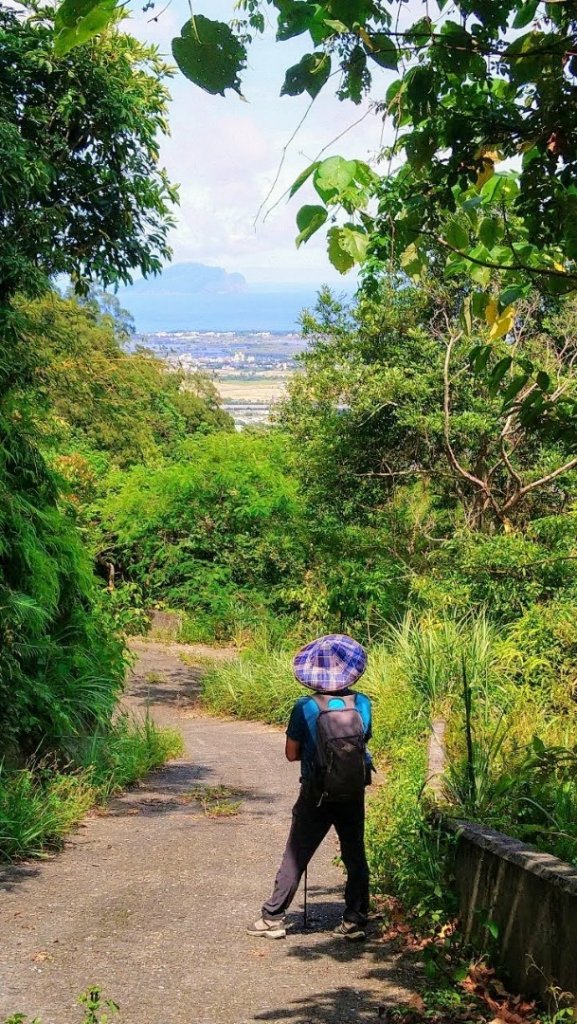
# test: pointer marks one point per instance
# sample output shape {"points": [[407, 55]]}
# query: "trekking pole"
{"points": [[305, 920]]}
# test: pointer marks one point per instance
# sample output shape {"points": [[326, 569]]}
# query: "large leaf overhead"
{"points": [[209, 54], [309, 75], [77, 21]]}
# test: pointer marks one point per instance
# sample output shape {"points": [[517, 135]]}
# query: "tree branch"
{"points": [[536, 271], [542, 482], [454, 462]]}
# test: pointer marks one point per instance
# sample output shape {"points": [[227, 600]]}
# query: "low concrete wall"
{"points": [[531, 897]]}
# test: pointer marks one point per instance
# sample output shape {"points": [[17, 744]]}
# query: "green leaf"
{"points": [[538, 745], [526, 364], [479, 357], [493, 929], [498, 187], [532, 55], [309, 75], [513, 389], [382, 50], [421, 32], [513, 293], [355, 241], [295, 19], [543, 380], [460, 973], [457, 235], [525, 14], [489, 231], [411, 261], [309, 220], [209, 54], [339, 257], [77, 21], [498, 372], [333, 176], [351, 12], [480, 300], [303, 176], [347, 246], [354, 80], [393, 91]]}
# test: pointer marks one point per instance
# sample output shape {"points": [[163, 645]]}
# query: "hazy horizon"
{"points": [[191, 296]]}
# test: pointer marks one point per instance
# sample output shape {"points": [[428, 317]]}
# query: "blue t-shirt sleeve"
{"points": [[364, 707], [297, 725]]}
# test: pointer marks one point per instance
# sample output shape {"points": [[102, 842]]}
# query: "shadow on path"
{"points": [[15, 874], [347, 1002], [175, 689]]}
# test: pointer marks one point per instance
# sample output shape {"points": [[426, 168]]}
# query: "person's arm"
{"points": [[295, 733], [292, 750]]}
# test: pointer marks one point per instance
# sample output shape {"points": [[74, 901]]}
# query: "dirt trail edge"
{"points": [[150, 900]]}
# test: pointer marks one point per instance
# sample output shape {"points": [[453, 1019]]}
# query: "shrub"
{"points": [[218, 534], [61, 667]]}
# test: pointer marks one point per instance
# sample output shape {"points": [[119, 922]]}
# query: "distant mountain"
{"points": [[184, 279], [195, 297]]}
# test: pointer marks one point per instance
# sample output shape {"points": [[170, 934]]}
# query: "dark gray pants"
{"points": [[309, 827]]}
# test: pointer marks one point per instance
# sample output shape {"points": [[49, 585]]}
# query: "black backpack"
{"points": [[340, 757]]}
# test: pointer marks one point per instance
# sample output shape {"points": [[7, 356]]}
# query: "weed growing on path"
{"points": [[216, 801], [97, 1009], [155, 678]]}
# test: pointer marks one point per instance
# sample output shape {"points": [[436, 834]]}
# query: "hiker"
{"points": [[327, 733]]}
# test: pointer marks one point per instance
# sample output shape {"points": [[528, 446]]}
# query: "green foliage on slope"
{"points": [[60, 667], [101, 405], [220, 532]]}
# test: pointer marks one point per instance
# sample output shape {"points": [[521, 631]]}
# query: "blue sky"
{"points": [[225, 154]]}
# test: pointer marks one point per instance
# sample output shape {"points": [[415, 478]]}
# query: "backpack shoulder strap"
{"points": [[311, 711]]}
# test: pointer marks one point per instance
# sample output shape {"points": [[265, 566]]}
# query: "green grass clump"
{"points": [[216, 801], [41, 804], [127, 752], [259, 684], [37, 809]]}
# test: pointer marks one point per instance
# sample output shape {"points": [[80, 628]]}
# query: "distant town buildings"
{"points": [[249, 368]]}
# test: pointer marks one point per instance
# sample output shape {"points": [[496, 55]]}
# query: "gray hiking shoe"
{"points": [[268, 929], [351, 931]]}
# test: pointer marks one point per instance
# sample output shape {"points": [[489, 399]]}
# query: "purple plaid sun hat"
{"points": [[330, 663]]}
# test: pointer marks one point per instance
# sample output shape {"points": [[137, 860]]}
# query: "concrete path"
{"points": [[150, 900]]}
